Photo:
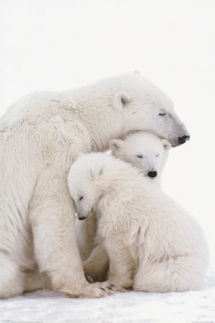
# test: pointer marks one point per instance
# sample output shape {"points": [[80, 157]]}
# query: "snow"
{"points": [[61, 44], [45, 306]]}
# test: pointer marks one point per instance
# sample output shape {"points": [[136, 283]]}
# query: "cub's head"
{"points": [[84, 181], [143, 150]]}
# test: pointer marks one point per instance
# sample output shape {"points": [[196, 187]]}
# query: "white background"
{"points": [[62, 44]]}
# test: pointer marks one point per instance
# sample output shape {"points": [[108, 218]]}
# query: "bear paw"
{"points": [[96, 290]]}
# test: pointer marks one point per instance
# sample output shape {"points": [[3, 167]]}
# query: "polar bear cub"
{"points": [[142, 149], [153, 244]]}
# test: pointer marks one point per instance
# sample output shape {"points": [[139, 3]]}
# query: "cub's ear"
{"points": [[115, 145], [96, 171], [166, 144], [121, 99]]}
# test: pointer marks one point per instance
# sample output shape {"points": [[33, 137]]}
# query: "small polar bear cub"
{"points": [[153, 244], [142, 149]]}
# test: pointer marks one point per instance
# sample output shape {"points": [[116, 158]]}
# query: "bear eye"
{"points": [[162, 114], [140, 156], [81, 198]]}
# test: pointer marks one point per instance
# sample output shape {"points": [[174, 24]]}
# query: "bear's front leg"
{"points": [[52, 218], [122, 265]]}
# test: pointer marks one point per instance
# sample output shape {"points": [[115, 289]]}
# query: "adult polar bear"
{"points": [[40, 137]]}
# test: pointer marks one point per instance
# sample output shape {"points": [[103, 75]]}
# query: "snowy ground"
{"points": [[45, 306], [61, 44]]}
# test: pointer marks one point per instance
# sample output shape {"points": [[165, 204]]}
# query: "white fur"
{"points": [[153, 244], [40, 137], [154, 152], [144, 150]]}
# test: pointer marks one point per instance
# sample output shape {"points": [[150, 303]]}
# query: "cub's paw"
{"points": [[106, 286], [90, 278], [118, 287]]}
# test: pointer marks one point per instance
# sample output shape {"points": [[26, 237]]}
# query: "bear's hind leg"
{"points": [[176, 274], [122, 265], [11, 277]]}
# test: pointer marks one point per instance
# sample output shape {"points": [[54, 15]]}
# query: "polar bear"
{"points": [[40, 137], [153, 244], [142, 149]]}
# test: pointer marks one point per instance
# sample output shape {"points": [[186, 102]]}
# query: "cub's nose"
{"points": [[152, 174], [81, 218], [182, 140]]}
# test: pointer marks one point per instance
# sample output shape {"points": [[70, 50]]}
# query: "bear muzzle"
{"points": [[82, 217], [182, 140], [152, 174]]}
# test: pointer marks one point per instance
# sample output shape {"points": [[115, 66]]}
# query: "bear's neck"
{"points": [[104, 131], [100, 118]]}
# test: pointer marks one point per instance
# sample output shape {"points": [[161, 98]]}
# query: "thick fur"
{"points": [[40, 137], [144, 150], [153, 244]]}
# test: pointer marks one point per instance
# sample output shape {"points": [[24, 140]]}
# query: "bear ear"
{"points": [[166, 144], [115, 144], [121, 99], [96, 171]]}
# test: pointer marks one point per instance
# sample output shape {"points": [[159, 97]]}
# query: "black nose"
{"points": [[182, 140], [152, 174], [82, 218]]}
